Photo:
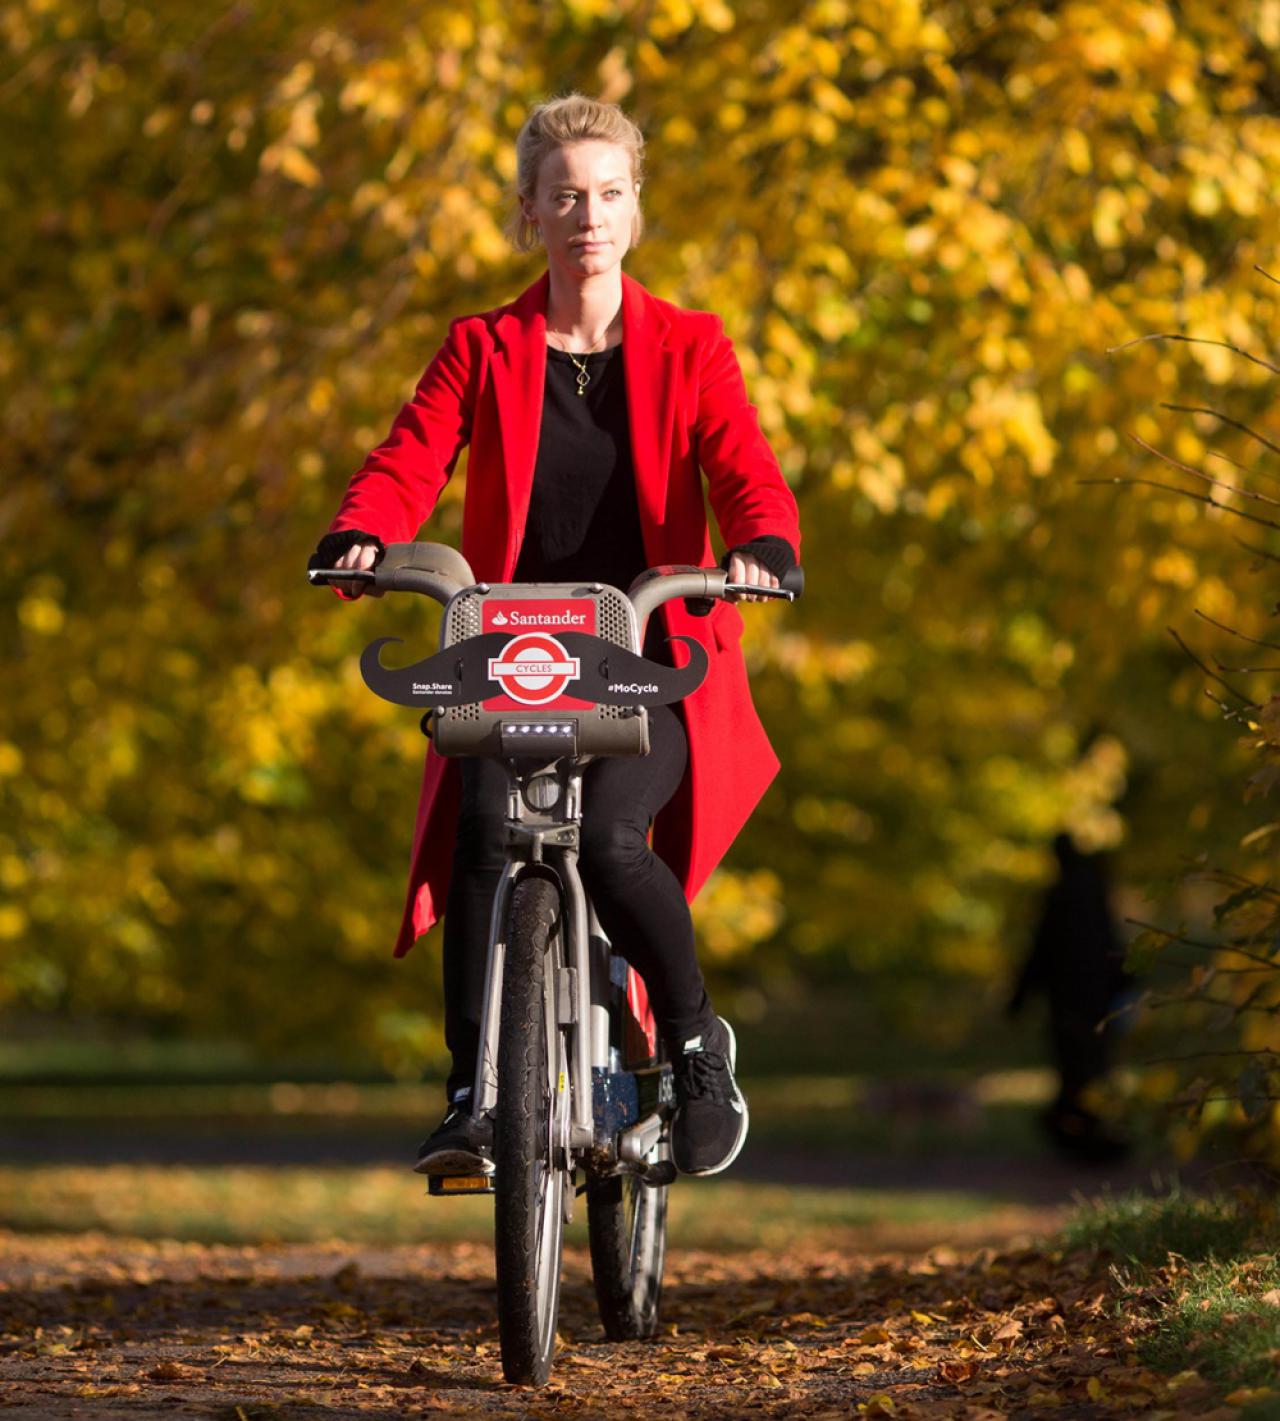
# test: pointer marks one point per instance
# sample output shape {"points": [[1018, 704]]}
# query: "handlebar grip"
{"points": [[324, 576], [793, 581]]}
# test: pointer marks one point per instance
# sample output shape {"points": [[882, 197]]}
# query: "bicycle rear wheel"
{"points": [[627, 1227], [531, 1172]]}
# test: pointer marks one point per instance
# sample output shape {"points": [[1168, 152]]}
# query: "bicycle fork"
{"points": [[600, 1120], [534, 840]]}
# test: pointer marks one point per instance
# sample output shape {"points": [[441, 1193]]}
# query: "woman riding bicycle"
{"points": [[590, 406]]}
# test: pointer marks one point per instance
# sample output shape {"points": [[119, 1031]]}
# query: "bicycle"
{"points": [[571, 1076]]}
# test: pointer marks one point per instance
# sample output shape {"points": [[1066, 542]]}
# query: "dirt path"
{"points": [[95, 1327]]}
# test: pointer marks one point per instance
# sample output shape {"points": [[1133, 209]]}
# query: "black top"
{"points": [[583, 524]]}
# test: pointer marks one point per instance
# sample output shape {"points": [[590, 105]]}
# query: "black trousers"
{"points": [[637, 898]]}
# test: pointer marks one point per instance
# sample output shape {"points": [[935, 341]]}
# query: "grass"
{"points": [[824, 1030], [296, 1161], [244, 1162], [992, 1114], [380, 1205], [1143, 1230], [1208, 1268]]}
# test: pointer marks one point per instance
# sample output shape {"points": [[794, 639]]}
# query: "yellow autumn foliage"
{"points": [[233, 240]]}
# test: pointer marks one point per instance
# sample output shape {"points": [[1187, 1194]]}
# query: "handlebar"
{"points": [[711, 584], [430, 568], [442, 572]]}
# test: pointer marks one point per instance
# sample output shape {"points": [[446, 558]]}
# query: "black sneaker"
{"points": [[710, 1125], [458, 1145]]}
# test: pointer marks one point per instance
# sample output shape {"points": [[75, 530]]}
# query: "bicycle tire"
{"points": [[529, 1179], [627, 1229]]}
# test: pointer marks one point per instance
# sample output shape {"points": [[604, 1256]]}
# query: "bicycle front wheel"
{"points": [[531, 1171]]}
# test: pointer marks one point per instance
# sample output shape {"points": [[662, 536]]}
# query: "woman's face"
{"points": [[584, 205]]}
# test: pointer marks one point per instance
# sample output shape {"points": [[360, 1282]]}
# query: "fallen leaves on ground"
{"points": [[91, 1326]]}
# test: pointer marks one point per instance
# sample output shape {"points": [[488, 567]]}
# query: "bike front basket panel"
{"points": [[599, 730]]}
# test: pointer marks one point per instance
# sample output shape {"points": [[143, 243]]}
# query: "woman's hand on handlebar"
{"points": [[746, 569], [358, 555]]}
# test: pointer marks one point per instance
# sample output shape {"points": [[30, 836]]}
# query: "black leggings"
{"points": [[637, 898]]}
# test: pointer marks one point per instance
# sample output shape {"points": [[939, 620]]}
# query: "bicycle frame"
{"points": [[548, 843]]}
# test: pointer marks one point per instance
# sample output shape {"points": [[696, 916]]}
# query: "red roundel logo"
{"points": [[534, 669]]}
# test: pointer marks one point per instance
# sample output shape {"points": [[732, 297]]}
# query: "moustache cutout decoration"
{"points": [[475, 670]]}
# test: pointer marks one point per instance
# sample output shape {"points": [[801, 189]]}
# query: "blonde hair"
{"points": [[574, 118]]}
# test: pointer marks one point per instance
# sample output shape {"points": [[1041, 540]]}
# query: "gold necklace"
{"points": [[583, 376]]}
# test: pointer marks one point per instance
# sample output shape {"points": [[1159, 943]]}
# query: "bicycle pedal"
{"points": [[438, 1184]]}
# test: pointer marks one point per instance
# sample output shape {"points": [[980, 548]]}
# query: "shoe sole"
{"points": [[454, 1162], [746, 1114]]}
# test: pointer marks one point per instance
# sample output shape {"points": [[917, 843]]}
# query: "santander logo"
{"points": [[570, 619], [533, 668]]}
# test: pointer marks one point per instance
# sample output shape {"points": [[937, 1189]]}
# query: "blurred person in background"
{"points": [[592, 410], [1076, 960]]}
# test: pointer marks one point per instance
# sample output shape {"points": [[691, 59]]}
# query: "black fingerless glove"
{"points": [[773, 552], [332, 546]]}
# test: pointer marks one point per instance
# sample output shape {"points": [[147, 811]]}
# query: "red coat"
{"points": [[688, 408]]}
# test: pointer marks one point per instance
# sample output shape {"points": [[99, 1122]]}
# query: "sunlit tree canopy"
{"points": [[233, 239]]}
